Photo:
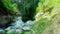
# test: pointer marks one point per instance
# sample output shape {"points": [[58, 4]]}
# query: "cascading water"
{"points": [[19, 26]]}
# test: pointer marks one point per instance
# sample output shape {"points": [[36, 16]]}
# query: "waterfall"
{"points": [[19, 25]]}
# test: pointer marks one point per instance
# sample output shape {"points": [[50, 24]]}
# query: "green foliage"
{"points": [[49, 8], [9, 5], [39, 26], [28, 9], [44, 22], [45, 7]]}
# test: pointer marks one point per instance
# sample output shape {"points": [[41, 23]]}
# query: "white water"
{"points": [[19, 25]]}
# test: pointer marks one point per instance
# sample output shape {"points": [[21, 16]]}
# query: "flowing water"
{"points": [[19, 26]]}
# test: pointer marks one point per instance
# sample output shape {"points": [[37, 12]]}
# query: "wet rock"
{"points": [[18, 31], [14, 31], [5, 20], [9, 28], [29, 23], [25, 28], [2, 31]]}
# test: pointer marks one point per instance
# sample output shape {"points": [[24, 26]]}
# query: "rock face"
{"points": [[5, 21], [5, 17]]}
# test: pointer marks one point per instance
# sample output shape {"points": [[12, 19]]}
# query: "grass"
{"points": [[39, 26]]}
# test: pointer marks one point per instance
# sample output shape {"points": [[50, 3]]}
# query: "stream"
{"points": [[18, 26]]}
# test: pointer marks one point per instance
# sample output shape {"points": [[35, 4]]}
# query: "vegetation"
{"points": [[43, 12]]}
